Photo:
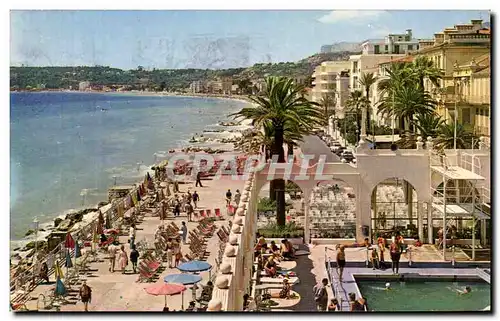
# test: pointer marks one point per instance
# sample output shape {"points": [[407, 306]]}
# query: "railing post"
{"points": [[409, 256], [453, 256]]}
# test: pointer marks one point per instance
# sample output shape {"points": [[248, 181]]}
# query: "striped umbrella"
{"points": [[69, 262]]}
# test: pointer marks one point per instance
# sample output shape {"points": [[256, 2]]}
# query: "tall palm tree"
{"points": [[328, 101], [445, 138], [356, 103], [367, 80], [423, 68], [282, 105]]}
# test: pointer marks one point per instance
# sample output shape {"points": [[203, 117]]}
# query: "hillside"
{"points": [[170, 79]]}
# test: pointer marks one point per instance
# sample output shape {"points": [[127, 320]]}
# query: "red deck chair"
{"points": [[202, 213], [231, 209], [209, 212], [217, 213]]}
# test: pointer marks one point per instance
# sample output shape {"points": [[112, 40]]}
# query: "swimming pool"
{"points": [[423, 295]]}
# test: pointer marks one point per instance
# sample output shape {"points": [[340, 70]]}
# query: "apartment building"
{"points": [[331, 78], [366, 63], [391, 44], [452, 50]]}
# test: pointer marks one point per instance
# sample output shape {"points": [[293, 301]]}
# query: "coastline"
{"points": [[47, 226]]}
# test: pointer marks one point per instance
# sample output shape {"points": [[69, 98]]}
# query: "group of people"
{"points": [[123, 258], [187, 203], [172, 245], [229, 197], [322, 304]]}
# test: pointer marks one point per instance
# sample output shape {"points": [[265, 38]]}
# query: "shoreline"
{"points": [[47, 226]]}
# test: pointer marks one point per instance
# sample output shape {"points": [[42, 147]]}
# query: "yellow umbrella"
{"points": [[57, 271], [119, 209], [134, 199]]}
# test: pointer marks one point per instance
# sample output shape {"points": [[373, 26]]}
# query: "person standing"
{"points": [[85, 295], [196, 199], [112, 258], [320, 295], [131, 235], [341, 261], [123, 259], [134, 257], [170, 250], [198, 180], [177, 207], [189, 197], [229, 195], [189, 210], [334, 305], [184, 231], [237, 197], [44, 272], [395, 250]]}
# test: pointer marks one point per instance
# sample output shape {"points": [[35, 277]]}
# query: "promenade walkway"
{"points": [[120, 292]]}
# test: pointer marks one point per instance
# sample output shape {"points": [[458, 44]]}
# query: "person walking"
{"points": [[237, 197], [170, 250], [44, 272], [229, 195], [184, 231], [123, 259], [196, 199], [320, 295], [85, 295], [134, 257], [131, 235], [198, 180]]}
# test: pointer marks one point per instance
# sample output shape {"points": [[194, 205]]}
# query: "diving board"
{"points": [[483, 275]]}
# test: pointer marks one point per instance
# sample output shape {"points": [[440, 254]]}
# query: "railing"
{"points": [[59, 252], [333, 280], [470, 162]]}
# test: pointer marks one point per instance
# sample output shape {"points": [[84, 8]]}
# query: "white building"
{"points": [[391, 44], [196, 86], [84, 85], [331, 78]]}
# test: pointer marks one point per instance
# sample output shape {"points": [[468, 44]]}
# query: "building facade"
{"points": [[391, 44], [452, 50], [331, 78]]}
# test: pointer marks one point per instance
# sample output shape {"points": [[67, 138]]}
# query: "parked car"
{"points": [[334, 146], [347, 155], [339, 150]]}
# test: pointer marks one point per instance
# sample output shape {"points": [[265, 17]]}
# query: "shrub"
{"points": [[272, 230]]}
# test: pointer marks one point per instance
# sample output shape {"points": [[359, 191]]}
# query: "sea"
{"points": [[67, 149]]}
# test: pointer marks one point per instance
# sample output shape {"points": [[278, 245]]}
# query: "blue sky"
{"points": [[204, 39]]}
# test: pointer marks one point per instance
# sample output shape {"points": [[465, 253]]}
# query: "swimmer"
{"points": [[388, 286], [466, 291]]}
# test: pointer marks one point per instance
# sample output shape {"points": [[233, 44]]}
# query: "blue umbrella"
{"points": [[77, 250], [194, 266], [69, 263], [60, 288], [185, 279]]}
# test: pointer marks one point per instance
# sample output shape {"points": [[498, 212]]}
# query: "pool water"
{"points": [[419, 295]]}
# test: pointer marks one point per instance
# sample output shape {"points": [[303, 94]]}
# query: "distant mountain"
{"points": [[341, 46], [486, 24]]}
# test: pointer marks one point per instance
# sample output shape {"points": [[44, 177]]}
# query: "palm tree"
{"points": [[327, 101], [282, 105], [423, 68], [356, 103], [367, 80], [427, 125], [445, 138]]}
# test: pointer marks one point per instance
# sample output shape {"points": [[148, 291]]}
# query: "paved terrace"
{"points": [[120, 292]]}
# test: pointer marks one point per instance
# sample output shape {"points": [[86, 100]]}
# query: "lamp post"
{"points": [[114, 178], [36, 226], [455, 117]]}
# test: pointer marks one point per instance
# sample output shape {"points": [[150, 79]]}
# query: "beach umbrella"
{"points": [[77, 250], [57, 270], [139, 194], [184, 279], [134, 199], [60, 289], [100, 223], [165, 289], [69, 263], [194, 266], [69, 243]]}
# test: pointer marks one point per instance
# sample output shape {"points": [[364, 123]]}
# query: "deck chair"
{"points": [[209, 212]]}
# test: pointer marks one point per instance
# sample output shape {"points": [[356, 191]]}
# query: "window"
{"points": [[355, 82], [396, 49], [355, 67], [410, 47], [466, 115], [376, 49], [386, 48]]}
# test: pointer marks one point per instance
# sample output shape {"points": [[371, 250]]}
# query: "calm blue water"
{"points": [[63, 143]]}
